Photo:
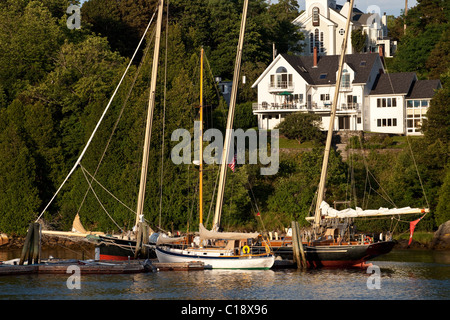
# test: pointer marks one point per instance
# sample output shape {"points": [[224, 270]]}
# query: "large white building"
{"points": [[323, 24], [369, 99]]}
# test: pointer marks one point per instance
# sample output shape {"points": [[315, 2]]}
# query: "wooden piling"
{"points": [[297, 246], [26, 245], [141, 240], [32, 245]]}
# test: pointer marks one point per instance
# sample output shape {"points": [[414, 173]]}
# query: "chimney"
{"points": [[380, 51], [315, 57]]}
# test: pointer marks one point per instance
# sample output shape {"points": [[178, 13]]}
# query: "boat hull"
{"points": [[172, 255], [338, 255], [110, 248], [345, 255]]}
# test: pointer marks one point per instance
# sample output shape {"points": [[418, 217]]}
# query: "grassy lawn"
{"points": [[293, 144], [419, 236]]}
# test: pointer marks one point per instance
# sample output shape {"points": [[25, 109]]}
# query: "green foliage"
{"points": [[437, 124], [423, 48], [359, 39], [442, 214], [301, 126], [29, 38], [56, 82]]}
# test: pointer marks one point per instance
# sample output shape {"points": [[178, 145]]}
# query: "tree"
{"points": [[443, 208], [301, 126], [437, 124], [29, 38], [19, 196], [359, 39]]}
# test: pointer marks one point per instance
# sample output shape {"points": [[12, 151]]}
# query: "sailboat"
{"points": [[218, 250], [333, 241], [131, 244]]}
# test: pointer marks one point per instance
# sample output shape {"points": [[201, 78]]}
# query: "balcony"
{"points": [[277, 107], [303, 106], [280, 86]]}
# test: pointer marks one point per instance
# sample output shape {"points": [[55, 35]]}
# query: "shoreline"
{"points": [[49, 242]]}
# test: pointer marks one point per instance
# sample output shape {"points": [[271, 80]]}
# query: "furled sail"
{"points": [[207, 234], [329, 212]]}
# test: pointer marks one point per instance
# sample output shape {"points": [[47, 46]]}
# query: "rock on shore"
{"points": [[441, 240]]}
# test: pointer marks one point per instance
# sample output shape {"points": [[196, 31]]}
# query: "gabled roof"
{"points": [[393, 83], [329, 65], [424, 89]]}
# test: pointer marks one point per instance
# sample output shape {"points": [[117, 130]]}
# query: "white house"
{"points": [[323, 24], [369, 99]]}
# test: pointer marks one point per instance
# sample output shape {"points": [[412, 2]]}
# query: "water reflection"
{"points": [[403, 275]]}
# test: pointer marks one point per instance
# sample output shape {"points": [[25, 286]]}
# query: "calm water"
{"points": [[404, 275]]}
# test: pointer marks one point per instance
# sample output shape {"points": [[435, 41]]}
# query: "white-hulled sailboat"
{"points": [[217, 250]]}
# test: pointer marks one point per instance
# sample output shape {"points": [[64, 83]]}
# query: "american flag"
{"points": [[232, 165]]}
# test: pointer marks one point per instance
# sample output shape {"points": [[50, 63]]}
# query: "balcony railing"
{"points": [[281, 85], [311, 106]]}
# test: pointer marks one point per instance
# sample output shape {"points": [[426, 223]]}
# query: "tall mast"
{"points": [[151, 107], [201, 140], [226, 145], [323, 176]]}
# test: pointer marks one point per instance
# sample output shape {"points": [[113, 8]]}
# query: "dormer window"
{"points": [[345, 79], [315, 16], [281, 79]]}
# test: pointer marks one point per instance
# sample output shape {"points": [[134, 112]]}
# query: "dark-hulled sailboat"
{"points": [[332, 241]]}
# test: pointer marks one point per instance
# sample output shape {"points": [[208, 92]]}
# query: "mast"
{"points": [[201, 140], [323, 175], [226, 145], [151, 107]]}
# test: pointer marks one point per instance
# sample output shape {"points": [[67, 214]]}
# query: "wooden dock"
{"points": [[86, 267], [179, 266], [98, 267]]}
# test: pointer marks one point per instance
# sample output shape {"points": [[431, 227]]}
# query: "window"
{"points": [[315, 16], [325, 97], [414, 122], [386, 122], [298, 97], [281, 80], [316, 38], [363, 63], [321, 42], [417, 103], [323, 76], [345, 79], [386, 102], [342, 32]]}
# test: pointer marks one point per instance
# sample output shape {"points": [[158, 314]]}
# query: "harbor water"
{"points": [[399, 275]]}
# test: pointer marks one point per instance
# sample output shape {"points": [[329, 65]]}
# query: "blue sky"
{"points": [[389, 6]]}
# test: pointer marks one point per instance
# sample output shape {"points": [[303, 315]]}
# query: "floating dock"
{"points": [[85, 267], [97, 267], [179, 266]]}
